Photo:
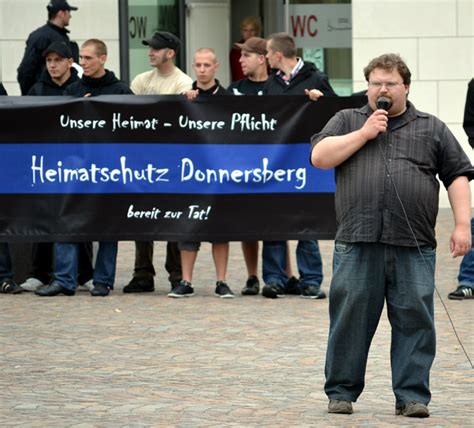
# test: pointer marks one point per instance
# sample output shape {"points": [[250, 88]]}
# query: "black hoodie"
{"points": [[108, 84], [46, 86], [309, 77]]}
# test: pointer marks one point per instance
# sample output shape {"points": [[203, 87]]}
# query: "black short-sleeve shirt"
{"points": [[416, 150]]}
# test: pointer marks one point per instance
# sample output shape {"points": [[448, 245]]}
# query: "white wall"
{"points": [[18, 18], [208, 26], [436, 39]]}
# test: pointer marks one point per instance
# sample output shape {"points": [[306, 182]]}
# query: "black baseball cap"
{"points": [[57, 5], [161, 40], [61, 48]]}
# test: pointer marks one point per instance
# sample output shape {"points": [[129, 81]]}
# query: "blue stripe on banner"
{"points": [[160, 168]]}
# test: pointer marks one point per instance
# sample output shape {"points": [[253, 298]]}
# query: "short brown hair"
{"points": [[389, 62], [100, 46], [284, 43]]}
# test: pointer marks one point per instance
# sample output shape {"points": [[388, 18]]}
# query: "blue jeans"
{"points": [[308, 259], [466, 270], [365, 275], [66, 261], [5, 262]]}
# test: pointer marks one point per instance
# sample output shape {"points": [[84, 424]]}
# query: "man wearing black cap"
{"points": [[164, 79], [59, 72], [32, 65]]}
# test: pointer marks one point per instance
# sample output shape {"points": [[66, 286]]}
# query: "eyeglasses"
{"points": [[388, 85]]}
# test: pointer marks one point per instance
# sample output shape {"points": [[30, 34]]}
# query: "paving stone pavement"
{"points": [[148, 360]]}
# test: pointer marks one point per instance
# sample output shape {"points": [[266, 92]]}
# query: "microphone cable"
{"points": [[387, 169]]}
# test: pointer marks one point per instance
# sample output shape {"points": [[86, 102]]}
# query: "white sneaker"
{"points": [[31, 284], [87, 286]]}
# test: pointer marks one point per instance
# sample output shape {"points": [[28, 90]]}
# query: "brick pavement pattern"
{"points": [[140, 360]]}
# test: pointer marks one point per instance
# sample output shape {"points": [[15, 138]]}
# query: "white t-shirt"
{"points": [[155, 83]]}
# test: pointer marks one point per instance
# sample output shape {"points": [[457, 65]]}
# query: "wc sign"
{"points": [[321, 25]]}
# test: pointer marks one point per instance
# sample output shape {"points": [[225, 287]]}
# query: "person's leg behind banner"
{"points": [[250, 252], [41, 266], [85, 268], [173, 263], [310, 267], [188, 254], [144, 272], [220, 255], [7, 284], [274, 256], [65, 271], [105, 267]]}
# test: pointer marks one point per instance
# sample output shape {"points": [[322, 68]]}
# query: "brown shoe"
{"points": [[413, 409], [343, 407]]}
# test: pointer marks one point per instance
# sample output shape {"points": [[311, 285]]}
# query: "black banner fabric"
{"points": [[164, 168]]}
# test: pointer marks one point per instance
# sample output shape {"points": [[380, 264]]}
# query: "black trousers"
{"points": [[144, 261]]}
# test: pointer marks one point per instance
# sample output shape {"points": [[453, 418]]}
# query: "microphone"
{"points": [[384, 103]]}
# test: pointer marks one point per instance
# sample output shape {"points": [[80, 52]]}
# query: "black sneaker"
{"points": [[223, 291], [461, 293], [182, 289], [272, 291], [100, 290], [140, 285], [293, 286], [313, 292], [8, 286], [252, 286]]}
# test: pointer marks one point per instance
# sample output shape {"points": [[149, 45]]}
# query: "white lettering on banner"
{"points": [[238, 121], [132, 123], [95, 174], [194, 212], [255, 175], [151, 174], [152, 214], [185, 122], [250, 123], [67, 122]]}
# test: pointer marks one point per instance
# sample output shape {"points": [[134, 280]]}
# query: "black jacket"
{"points": [[309, 77], [32, 64], [108, 84], [468, 122], [217, 89], [46, 86], [2, 89]]}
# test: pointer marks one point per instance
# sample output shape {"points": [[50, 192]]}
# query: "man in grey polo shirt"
{"points": [[387, 157]]}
